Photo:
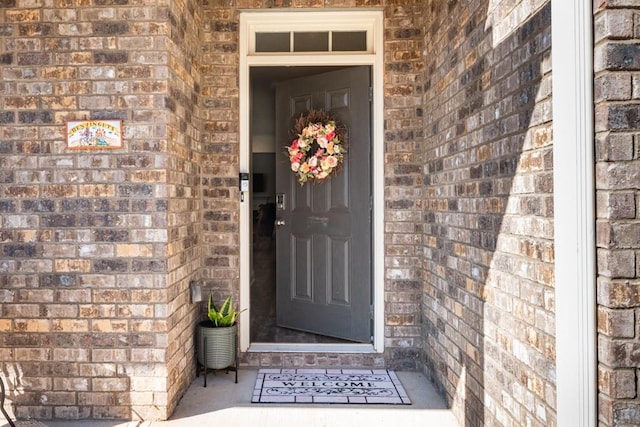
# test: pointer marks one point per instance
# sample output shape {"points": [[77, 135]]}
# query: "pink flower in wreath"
{"points": [[332, 161], [329, 136]]}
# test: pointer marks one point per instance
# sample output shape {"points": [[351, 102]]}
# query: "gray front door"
{"points": [[323, 242]]}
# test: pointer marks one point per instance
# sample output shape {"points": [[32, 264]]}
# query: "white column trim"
{"points": [[575, 277]]}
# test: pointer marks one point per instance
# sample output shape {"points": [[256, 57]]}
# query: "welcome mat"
{"points": [[329, 386]]}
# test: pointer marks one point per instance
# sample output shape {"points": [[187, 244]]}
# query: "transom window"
{"points": [[311, 41], [311, 32]]}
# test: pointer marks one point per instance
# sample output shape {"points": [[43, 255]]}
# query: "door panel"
{"points": [[338, 268], [302, 267], [323, 246]]}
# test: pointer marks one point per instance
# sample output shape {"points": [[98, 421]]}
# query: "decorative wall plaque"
{"points": [[94, 134]]}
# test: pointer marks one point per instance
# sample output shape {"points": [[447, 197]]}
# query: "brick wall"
{"points": [[183, 194], [220, 151], [488, 210], [617, 119], [403, 194], [97, 246]]}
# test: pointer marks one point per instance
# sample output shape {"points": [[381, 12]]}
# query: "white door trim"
{"points": [[341, 20], [574, 191]]}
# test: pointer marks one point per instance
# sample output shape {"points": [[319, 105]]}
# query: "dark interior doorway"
{"points": [[264, 149]]}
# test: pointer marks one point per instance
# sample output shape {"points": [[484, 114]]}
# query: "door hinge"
{"points": [[371, 312], [370, 94]]}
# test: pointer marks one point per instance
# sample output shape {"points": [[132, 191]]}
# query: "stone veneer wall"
{"points": [[617, 151], [97, 246], [488, 210]]}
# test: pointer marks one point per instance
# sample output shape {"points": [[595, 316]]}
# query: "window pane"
{"points": [[311, 42], [349, 41], [272, 42]]}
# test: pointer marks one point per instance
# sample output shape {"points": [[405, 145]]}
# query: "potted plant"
{"points": [[217, 338]]}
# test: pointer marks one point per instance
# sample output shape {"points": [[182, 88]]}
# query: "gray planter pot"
{"points": [[216, 347]]}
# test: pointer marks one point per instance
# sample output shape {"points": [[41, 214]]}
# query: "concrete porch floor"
{"points": [[225, 403]]}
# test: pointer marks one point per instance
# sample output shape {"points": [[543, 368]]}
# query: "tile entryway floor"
{"points": [[227, 404]]}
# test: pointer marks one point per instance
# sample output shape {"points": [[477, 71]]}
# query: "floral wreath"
{"points": [[318, 149]]}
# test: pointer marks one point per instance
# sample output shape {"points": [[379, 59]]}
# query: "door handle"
{"points": [[279, 222]]}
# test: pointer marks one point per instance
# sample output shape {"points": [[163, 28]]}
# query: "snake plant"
{"points": [[223, 317]]}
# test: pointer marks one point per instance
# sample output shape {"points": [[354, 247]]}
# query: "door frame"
{"points": [[370, 20]]}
